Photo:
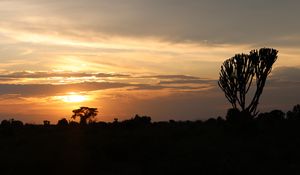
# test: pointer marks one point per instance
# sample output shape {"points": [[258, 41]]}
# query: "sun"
{"points": [[72, 97]]}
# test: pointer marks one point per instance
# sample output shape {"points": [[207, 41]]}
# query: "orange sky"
{"points": [[158, 58]]}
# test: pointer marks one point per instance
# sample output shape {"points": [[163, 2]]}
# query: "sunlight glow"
{"points": [[72, 98]]}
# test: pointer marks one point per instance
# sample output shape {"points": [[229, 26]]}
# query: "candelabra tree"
{"points": [[238, 73]]}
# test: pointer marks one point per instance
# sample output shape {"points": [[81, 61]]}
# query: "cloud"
{"points": [[185, 77], [286, 74], [193, 81], [101, 81], [51, 90], [202, 21], [285, 79], [164, 79], [179, 88], [30, 74]]}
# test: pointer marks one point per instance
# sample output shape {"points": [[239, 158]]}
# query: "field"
{"points": [[211, 147]]}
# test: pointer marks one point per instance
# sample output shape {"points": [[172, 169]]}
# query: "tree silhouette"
{"points": [[46, 123], [237, 74], [295, 113], [63, 122], [85, 113]]}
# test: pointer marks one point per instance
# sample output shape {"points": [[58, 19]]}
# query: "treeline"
{"points": [[233, 118], [235, 144]]}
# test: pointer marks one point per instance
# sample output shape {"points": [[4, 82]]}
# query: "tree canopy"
{"points": [[85, 113], [238, 73]]}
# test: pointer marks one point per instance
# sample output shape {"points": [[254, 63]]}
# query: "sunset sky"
{"points": [[150, 57]]}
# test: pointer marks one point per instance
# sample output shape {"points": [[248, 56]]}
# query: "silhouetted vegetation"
{"points": [[267, 143], [12, 123], [46, 123], [85, 114], [63, 122], [238, 73], [294, 114]]}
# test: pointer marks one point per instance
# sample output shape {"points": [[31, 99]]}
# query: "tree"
{"points": [[63, 122], [233, 115], [137, 121], [12, 123], [295, 113], [5, 123], [46, 123], [238, 73], [85, 113]]}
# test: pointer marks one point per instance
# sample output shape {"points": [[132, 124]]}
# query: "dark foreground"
{"points": [[212, 147]]}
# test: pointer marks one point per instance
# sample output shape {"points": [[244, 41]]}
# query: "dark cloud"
{"points": [[50, 90], [195, 81], [286, 74], [284, 78], [185, 77], [159, 87], [215, 21], [282, 89], [44, 74], [26, 74], [164, 79], [205, 21], [54, 89], [7, 79], [130, 82]]}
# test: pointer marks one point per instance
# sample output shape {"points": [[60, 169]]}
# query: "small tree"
{"points": [[237, 74], [295, 113], [85, 113], [63, 122]]}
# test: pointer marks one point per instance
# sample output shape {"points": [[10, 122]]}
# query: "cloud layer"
{"points": [[233, 21]]}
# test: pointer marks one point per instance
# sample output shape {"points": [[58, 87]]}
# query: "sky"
{"points": [[159, 58]]}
